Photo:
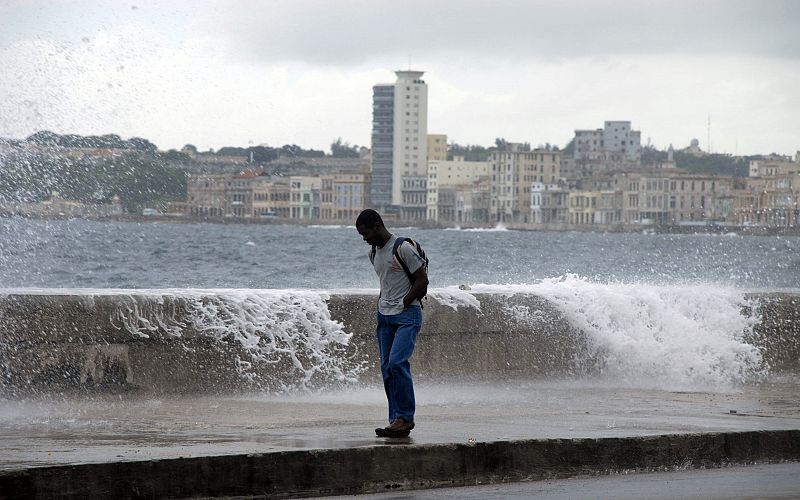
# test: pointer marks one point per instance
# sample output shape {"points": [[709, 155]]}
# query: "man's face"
{"points": [[370, 234]]}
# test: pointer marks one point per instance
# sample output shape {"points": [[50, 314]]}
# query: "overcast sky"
{"points": [[216, 73]]}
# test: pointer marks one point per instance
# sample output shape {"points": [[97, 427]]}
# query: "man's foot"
{"points": [[398, 428]]}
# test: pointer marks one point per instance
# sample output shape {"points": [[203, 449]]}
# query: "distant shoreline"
{"points": [[619, 228]]}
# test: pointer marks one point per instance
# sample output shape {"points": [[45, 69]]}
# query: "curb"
{"points": [[397, 467]]}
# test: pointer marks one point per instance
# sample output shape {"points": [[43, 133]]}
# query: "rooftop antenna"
{"points": [[708, 144]]}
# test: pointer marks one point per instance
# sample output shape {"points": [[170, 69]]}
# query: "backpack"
{"points": [[417, 247]]}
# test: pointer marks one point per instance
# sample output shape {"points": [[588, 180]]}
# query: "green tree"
{"points": [[140, 181], [343, 150]]}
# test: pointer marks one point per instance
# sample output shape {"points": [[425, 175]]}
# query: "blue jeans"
{"points": [[397, 336]]}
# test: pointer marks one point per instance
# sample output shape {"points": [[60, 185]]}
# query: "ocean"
{"points": [[91, 254]]}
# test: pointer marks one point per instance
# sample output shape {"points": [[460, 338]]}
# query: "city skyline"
{"points": [[243, 73]]}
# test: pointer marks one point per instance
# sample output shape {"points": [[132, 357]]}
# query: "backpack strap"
{"points": [[399, 241], [395, 251], [372, 254]]}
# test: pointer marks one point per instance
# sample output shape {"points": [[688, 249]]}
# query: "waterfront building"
{"points": [[589, 208], [205, 195], [774, 190], [344, 196], [773, 167], [239, 194], [437, 147], [271, 197], [616, 142], [400, 145], [513, 171], [382, 162], [473, 201], [615, 147], [673, 197], [549, 204], [460, 178], [304, 197]]}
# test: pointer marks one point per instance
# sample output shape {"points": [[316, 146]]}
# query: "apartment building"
{"points": [[400, 145], [774, 167], [343, 196], [616, 141], [473, 201], [437, 147], [206, 195], [239, 194], [460, 177], [270, 197], [616, 146], [595, 208], [673, 197], [773, 188], [383, 141], [775, 200], [549, 204], [513, 173], [304, 197]]}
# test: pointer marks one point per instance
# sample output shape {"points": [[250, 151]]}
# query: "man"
{"points": [[399, 317]]}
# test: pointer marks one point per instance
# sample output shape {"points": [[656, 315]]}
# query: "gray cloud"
{"points": [[356, 31]]}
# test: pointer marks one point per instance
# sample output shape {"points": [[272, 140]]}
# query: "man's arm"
{"points": [[418, 289]]}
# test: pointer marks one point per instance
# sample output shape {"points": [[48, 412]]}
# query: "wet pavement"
{"points": [[104, 428]]}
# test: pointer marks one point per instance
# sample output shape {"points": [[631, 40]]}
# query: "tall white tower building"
{"points": [[399, 143]]}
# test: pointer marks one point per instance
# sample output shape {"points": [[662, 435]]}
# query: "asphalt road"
{"points": [[765, 481]]}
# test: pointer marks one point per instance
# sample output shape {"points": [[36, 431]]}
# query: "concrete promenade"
{"points": [[322, 444]]}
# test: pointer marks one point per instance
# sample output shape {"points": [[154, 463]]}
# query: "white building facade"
{"points": [[399, 165], [615, 142]]}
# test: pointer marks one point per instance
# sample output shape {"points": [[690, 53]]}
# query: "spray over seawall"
{"points": [[676, 337], [683, 338], [287, 328], [272, 340]]}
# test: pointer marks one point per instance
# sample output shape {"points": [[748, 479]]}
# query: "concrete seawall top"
{"points": [[276, 340]]}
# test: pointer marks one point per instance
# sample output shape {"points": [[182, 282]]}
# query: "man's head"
{"points": [[370, 226]]}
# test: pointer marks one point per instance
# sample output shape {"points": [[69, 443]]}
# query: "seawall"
{"points": [[222, 341]]}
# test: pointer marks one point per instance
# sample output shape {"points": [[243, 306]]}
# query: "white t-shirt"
{"points": [[394, 282]]}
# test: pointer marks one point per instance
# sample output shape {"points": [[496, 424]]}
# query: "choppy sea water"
{"points": [[88, 254]]}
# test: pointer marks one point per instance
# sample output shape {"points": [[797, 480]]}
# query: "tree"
{"points": [[470, 152], [343, 150], [569, 149], [232, 151], [173, 156], [138, 180], [651, 156], [263, 154], [139, 144], [44, 138], [719, 164]]}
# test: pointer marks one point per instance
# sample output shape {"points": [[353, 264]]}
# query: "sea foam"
{"points": [[689, 337]]}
